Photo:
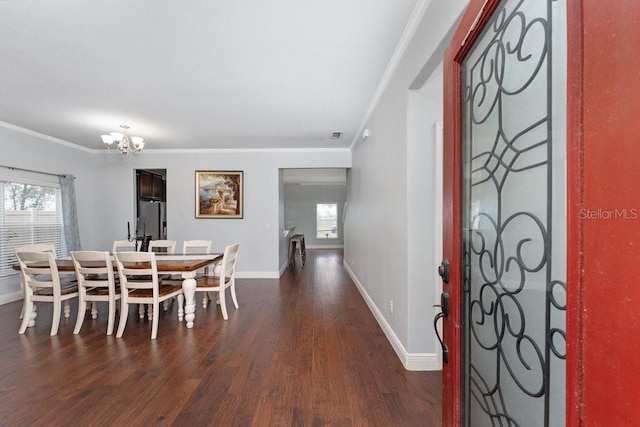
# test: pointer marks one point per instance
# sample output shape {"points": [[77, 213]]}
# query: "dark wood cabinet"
{"points": [[150, 186], [157, 188]]}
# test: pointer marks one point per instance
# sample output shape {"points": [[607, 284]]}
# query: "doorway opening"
{"points": [[305, 191], [151, 208]]}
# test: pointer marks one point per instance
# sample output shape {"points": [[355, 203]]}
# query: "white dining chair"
{"points": [[34, 247], [42, 283], [96, 283], [161, 246], [223, 277], [194, 247], [164, 246], [123, 245], [190, 247], [141, 286]]}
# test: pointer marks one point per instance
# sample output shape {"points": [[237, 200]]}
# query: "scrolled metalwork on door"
{"points": [[513, 197]]}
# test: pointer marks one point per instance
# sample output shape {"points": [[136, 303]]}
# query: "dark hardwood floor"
{"points": [[302, 350]]}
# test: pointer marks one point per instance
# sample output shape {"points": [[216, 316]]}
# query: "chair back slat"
{"points": [[123, 245], [38, 247], [229, 259], [196, 246], [93, 269], [165, 246], [133, 275], [44, 274]]}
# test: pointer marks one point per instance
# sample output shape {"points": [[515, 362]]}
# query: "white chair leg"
{"points": [[124, 311], [223, 304], [141, 311], [55, 322], [205, 299], [180, 307], [26, 318], [94, 310], [233, 294], [24, 298], [82, 307], [112, 316], [151, 313], [165, 305], [154, 324], [67, 309]]}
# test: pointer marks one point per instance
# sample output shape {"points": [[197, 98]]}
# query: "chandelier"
{"points": [[122, 143]]}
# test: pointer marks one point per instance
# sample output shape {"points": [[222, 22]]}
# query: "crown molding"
{"points": [[407, 35], [240, 150], [45, 137], [68, 144]]}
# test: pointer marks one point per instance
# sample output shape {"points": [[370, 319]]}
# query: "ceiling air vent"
{"points": [[336, 135]]}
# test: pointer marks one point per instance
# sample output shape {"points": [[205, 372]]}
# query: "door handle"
{"points": [[444, 306]]}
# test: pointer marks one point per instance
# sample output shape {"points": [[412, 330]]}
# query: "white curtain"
{"points": [[70, 212]]}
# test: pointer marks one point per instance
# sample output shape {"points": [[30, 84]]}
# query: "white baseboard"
{"points": [[257, 275], [10, 297], [410, 361], [325, 246]]}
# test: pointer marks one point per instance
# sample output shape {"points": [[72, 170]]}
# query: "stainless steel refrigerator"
{"points": [[152, 220]]}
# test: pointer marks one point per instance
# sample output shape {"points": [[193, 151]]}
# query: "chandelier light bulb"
{"points": [[137, 142], [117, 136], [125, 145]]}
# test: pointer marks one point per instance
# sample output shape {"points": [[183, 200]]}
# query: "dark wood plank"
{"points": [[302, 350]]}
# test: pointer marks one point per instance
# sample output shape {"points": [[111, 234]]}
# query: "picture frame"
{"points": [[219, 194]]}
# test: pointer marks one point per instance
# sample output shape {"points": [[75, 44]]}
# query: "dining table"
{"points": [[186, 265]]}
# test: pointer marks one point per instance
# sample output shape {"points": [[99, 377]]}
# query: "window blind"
{"points": [[29, 213]]}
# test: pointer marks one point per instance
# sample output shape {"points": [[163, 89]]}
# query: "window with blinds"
{"points": [[30, 212]]}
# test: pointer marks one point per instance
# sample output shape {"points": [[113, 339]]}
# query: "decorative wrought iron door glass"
{"points": [[513, 197]]}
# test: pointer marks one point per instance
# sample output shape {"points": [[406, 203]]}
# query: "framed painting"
{"points": [[219, 194]]}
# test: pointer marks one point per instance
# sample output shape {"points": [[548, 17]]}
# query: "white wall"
{"points": [[28, 150], [390, 232], [424, 242], [105, 192]]}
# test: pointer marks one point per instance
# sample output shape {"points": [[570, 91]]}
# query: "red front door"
{"points": [[581, 249]]}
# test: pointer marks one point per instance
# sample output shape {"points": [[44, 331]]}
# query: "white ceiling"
{"points": [[199, 73]]}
